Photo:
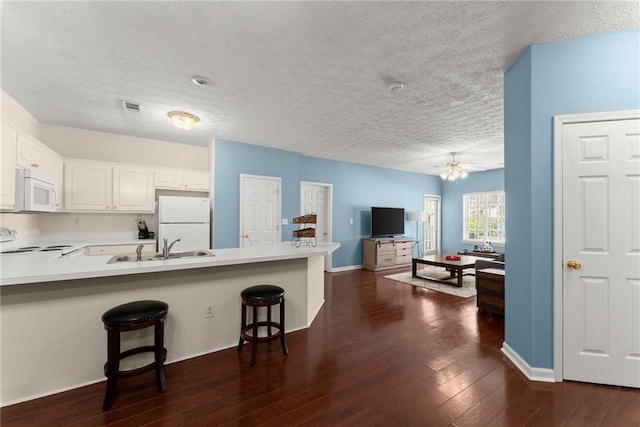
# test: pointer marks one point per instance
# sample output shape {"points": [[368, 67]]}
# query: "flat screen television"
{"points": [[387, 221]]}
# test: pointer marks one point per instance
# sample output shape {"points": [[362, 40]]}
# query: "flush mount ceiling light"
{"points": [[455, 170], [183, 120]]}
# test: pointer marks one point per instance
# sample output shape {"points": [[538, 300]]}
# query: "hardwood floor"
{"points": [[380, 352]]}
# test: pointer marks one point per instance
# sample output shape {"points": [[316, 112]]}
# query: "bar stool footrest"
{"points": [[247, 337], [132, 372]]}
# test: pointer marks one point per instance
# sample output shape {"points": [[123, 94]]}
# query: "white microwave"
{"points": [[35, 192]]}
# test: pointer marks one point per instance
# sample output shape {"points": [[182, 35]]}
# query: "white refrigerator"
{"points": [[184, 218]]}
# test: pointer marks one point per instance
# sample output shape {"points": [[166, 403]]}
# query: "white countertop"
{"points": [[34, 267]]}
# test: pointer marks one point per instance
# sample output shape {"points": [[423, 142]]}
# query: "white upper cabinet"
{"points": [[20, 150], [99, 186], [176, 179], [133, 189], [87, 186], [32, 154], [57, 176], [8, 167]]}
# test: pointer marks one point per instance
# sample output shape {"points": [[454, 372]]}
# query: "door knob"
{"points": [[246, 236], [574, 265]]}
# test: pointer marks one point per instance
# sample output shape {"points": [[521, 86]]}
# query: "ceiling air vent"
{"points": [[132, 106]]}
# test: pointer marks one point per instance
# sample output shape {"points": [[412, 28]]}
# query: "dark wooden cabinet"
{"points": [[490, 287]]}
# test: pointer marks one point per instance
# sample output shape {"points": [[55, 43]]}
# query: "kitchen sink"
{"points": [[158, 256]]}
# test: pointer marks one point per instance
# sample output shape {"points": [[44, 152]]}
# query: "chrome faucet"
{"points": [[139, 252], [166, 249]]}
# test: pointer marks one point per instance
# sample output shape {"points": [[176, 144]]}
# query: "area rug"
{"points": [[467, 290]]}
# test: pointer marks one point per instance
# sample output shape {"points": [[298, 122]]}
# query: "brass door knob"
{"points": [[574, 265], [246, 236]]}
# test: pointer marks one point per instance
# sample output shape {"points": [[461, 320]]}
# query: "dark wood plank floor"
{"points": [[379, 353]]}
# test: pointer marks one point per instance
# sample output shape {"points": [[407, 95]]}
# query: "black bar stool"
{"points": [[262, 296], [130, 317]]}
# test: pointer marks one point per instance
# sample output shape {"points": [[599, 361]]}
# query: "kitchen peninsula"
{"points": [[51, 307]]}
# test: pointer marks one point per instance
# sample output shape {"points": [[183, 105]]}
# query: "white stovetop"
{"points": [[33, 267]]}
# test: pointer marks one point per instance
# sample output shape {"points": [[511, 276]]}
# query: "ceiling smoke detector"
{"points": [[199, 80], [396, 87]]}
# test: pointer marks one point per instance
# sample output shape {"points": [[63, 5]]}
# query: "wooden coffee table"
{"points": [[455, 268]]}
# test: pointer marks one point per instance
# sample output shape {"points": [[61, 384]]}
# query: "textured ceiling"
{"points": [[310, 77]]}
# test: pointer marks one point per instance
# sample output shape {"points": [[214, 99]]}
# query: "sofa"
{"points": [[482, 264]]}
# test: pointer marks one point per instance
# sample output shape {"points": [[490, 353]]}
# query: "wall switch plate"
{"points": [[209, 311], [351, 221], [285, 221]]}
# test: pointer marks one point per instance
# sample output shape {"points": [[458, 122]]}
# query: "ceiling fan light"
{"points": [[183, 120], [455, 170]]}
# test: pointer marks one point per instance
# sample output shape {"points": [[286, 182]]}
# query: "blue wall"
{"points": [[355, 189], [452, 205], [590, 74]]}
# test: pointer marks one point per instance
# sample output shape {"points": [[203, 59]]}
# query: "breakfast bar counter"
{"points": [[51, 307]]}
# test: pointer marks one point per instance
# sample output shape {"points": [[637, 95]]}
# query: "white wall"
{"points": [[16, 115], [86, 144], [26, 225], [93, 223]]}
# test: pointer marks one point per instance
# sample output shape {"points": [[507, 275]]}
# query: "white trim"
{"points": [[241, 210], [534, 374], [558, 123], [347, 268], [438, 226], [212, 186], [328, 265]]}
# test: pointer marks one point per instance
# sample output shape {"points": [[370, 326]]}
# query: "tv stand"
{"points": [[384, 253]]}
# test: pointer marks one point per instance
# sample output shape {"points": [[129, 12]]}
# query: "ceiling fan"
{"points": [[454, 169]]}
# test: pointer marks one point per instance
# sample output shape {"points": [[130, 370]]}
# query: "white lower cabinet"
{"points": [[148, 248], [98, 186]]}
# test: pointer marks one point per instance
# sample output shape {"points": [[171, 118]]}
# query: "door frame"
{"points": [[241, 210], [558, 262], [438, 226], [328, 259]]}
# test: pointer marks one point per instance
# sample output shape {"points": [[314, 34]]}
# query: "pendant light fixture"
{"points": [[455, 170], [183, 120]]}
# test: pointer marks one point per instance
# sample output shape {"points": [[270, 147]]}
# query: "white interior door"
{"points": [[601, 252], [316, 198], [259, 210]]}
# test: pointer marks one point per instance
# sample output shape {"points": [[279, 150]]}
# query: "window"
{"points": [[484, 217], [431, 224]]}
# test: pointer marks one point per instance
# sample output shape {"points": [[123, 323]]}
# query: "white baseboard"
{"points": [[347, 268], [534, 374]]}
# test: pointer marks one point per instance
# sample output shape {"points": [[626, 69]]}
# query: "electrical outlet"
{"points": [[209, 310]]}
